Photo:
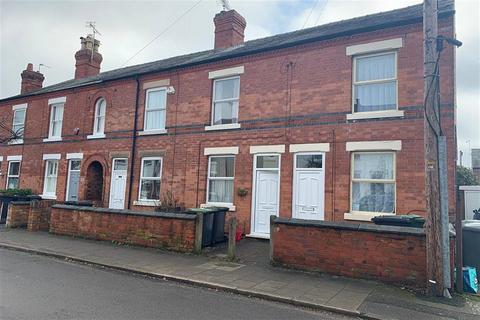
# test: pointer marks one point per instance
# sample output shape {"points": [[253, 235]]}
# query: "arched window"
{"points": [[99, 122]]}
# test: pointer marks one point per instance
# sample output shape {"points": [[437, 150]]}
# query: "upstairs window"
{"points": [[56, 121], [155, 109], [13, 174], [373, 182], [150, 179], [18, 125], [220, 179], [99, 122], [225, 100], [375, 82]]}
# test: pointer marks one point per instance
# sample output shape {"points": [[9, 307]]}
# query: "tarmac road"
{"points": [[38, 287]]}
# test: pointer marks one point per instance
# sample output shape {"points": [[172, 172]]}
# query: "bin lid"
{"points": [[220, 208], [471, 225], [203, 210]]}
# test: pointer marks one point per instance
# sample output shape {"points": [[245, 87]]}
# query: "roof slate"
{"points": [[408, 15]]}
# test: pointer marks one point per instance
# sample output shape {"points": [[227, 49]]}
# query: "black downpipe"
{"points": [[134, 144]]}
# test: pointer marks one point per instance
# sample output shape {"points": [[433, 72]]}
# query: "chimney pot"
{"points": [[31, 80], [229, 29], [87, 64]]}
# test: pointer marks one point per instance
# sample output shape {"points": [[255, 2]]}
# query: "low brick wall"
{"points": [[17, 216], [151, 229], [39, 216], [390, 254]]}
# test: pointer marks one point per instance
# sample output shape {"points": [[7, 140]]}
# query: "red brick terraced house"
{"points": [[323, 123]]}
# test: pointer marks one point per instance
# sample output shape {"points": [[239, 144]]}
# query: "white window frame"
{"points": [[96, 118], [13, 176], [51, 195], [51, 137], [225, 126], [162, 129], [224, 204], [141, 200], [21, 107], [380, 113], [367, 215]]}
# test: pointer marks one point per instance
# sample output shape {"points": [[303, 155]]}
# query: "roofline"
{"points": [[444, 14]]}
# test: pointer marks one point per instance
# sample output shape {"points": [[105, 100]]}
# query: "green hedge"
{"points": [[16, 192]]}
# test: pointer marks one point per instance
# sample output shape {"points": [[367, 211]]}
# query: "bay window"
{"points": [[220, 179], [373, 182], [375, 82]]}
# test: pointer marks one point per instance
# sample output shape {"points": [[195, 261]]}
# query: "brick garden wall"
{"points": [[18, 214], [159, 230], [39, 216], [390, 254]]}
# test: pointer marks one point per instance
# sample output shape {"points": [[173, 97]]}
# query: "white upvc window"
{"points": [[18, 125], [373, 187], [13, 174], [155, 109], [99, 121], [56, 121], [150, 179], [226, 92], [375, 82], [51, 173], [221, 173]]}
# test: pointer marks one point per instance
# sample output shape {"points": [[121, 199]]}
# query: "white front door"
{"points": [[118, 183], [267, 189], [309, 187]]}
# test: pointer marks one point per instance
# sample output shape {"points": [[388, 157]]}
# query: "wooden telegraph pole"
{"points": [[432, 131]]}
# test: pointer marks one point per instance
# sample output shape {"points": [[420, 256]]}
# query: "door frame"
{"points": [[253, 233], [111, 181], [294, 180], [68, 176]]}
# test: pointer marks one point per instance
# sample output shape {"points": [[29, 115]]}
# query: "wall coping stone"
{"points": [[351, 226], [168, 215], [23, 203]]}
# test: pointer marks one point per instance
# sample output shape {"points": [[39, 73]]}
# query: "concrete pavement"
{"points": [[252, 276]]}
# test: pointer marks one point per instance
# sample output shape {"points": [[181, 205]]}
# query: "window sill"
{"points": [[230, 206], [147, 203], [152, 132], [96, 136], [375, 114], [52, 139], [48, 197], [16, 141], [364, 216], [223, 127]]}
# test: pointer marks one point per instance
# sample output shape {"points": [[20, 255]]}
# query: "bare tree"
{"points": [[7, 134]]}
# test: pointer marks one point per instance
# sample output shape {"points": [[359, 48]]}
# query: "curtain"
{"points": [[155, 119], [220, 191]]}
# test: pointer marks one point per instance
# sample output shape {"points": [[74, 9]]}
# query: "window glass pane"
{"points": [[18, 129], [56, 128], [222, 166], [12, 183], [150, 189], [220, 191], [309, 161], [267, 162], [100, 124], [156, 99], [373, 166], [52, 167], [227, 89], [155, 120], [19, 116], [225, 112], [151, 168], [75, 164], [14, 168], [101, 108], [120, 164], [375, 68], [373, 197], [57, 112], [376, 96]]}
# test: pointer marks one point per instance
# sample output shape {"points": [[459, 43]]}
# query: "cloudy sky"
{"points": [[48, 32]]}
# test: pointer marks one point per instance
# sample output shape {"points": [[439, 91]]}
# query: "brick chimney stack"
{"points": [[229, 29], [31, 80], [88, 64]]}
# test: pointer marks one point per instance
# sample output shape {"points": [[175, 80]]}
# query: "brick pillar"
{"points": [[39, 215]]}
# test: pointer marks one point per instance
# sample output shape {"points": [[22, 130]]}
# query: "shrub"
{"points": [[168, 203], [16, 192]]}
